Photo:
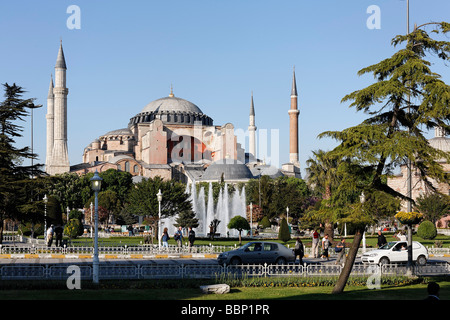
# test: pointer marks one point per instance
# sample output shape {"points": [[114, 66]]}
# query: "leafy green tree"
{"points": [[406, 98], [142, 199], [239, 223], [73, 228], [434, 206], [13, 174], [283, 233], [427, 230], [187, 219]]}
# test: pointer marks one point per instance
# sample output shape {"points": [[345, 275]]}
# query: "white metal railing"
{"points": [[176, 271]]}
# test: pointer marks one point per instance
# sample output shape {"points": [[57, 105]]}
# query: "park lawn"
{"points": [[406, 292], [371, 241]]}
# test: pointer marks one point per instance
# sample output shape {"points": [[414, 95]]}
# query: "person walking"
{"points": [[58, 235], [191, 238], [299, 250], [165, 238], [50, 233], [315, 244], [340, 250], [325, 246], [179, 237], [381, 239]]}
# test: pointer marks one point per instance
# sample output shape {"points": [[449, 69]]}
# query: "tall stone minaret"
{"points": [[251, 131], [293, 124], [50, 125], [292, 168], [60, 156]]}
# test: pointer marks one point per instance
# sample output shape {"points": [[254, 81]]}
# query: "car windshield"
{"points": [[388, 245]]}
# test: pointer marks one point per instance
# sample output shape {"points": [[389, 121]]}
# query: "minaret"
{"points": [[293, 124], [292, 168], [50, 125], [251, 131], [60, 156]]}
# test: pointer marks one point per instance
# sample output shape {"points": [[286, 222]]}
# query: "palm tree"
{"points": [[323, 178]]}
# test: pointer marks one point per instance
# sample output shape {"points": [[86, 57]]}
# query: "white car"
{"points": [[395, 252]]}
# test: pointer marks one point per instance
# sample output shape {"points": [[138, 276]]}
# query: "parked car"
{"points": [[257, 252], [396, 252]]}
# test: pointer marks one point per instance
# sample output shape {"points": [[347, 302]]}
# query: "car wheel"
{"points": [[384, 260], [235, 261], [421, 260], [281, 261]]}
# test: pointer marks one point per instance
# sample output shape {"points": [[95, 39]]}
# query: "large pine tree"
{"points": [[13, 174], [406, 99]]}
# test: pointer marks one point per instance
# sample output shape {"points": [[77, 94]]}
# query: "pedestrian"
{"points": [[165, 238], [130, 230], [315, 244], [179, 236], [381, 239], [433, 291], [325, 246], [340, 250], [58, 235], [299, 250], [191, 238], [401, 236], [50, 233]]}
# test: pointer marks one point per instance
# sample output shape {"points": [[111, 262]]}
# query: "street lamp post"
{"points": [[287, 218], [96, 186], [251, 219], [159, 196], [45, 217], [92, 210]]}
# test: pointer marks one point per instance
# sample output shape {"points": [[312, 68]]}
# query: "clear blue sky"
{"points": [[127, 53]]}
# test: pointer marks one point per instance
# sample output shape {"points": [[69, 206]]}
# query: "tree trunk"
{"points": [[329, 230], [345, 273]]}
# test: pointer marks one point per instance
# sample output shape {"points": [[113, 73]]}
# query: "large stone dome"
{"points": [[172, 110], [171, 104], [440, 143]]}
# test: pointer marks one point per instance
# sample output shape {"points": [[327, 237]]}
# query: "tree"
{"points": [[187, 219], [323, 177], [13, 174], [406, 99], [283, 233], [73, 228], [142, 200], [239, 223], [433, 206]]}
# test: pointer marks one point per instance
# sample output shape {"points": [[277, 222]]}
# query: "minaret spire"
{"points": [[252, 130], [294, 85], [293, 121]]}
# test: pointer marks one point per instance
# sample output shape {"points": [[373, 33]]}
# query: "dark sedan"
{"points": [[257, 252]]}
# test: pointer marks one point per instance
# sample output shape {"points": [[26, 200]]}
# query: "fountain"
{"points": [[227, 207]]}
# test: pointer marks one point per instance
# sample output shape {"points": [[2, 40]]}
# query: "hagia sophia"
{"points": [[170, 137]]}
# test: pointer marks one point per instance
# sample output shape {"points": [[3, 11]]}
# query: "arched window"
{"points": [[119, 167], [136, 168], [127, 166]]}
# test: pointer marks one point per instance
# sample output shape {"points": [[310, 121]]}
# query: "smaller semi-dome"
{"points": [[229, 170]]}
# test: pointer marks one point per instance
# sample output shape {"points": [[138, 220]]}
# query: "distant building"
{"points": [[399, 182]]}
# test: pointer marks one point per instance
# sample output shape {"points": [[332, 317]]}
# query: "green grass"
{"points": [[371, 241], [408, 292], [189, 290]]}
